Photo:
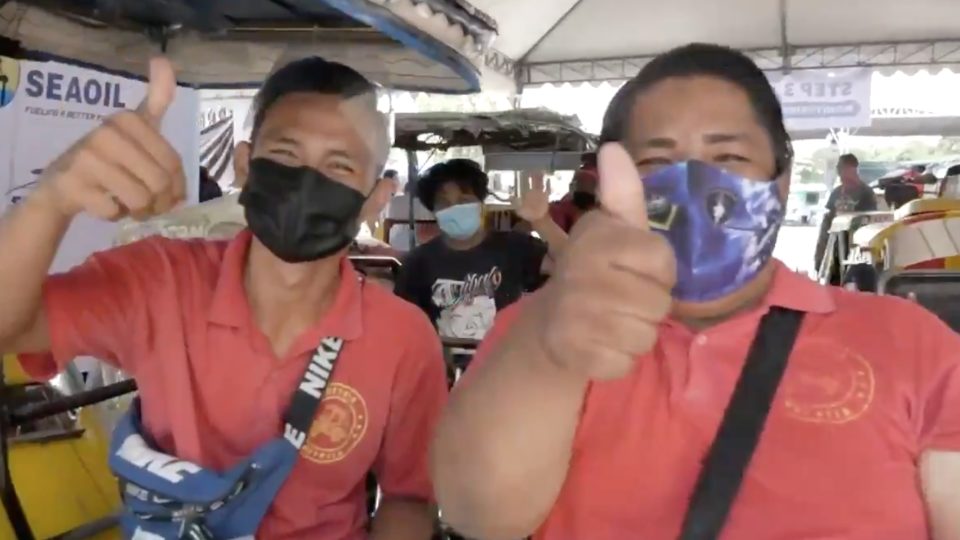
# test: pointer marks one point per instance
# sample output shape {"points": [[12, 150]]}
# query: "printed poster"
{"points": [[47, 106]]}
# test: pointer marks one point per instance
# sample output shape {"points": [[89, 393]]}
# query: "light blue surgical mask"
{"points": [[460, 221]]}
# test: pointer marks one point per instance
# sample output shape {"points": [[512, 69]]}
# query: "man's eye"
{"points": [[282, 152], [727, 158], [343, 167], [653, 162]]}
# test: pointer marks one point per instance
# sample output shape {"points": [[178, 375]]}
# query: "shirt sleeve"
{"points": [[418, 397], [530, 251], [97, 309], [939, 386]]}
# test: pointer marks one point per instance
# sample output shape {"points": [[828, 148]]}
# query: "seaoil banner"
{"points": [[824, 98], [47, 106]]}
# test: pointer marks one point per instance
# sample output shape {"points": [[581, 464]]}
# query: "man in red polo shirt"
{"points": [[581, 199], [595, 406], [221, 336]]}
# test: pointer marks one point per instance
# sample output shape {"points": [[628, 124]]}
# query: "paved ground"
{"points": [[795, 247]]}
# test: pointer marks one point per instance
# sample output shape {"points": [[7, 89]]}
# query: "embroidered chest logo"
{"points": [[338, 427], [827, 384]]}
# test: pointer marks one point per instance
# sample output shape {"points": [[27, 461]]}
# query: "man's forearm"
{"points": [[404, 519], [940, 481], [822, 237], [30, 235], [552, 234], [498, 465]]}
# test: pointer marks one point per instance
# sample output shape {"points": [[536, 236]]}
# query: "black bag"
{"points": [[743, 421]]}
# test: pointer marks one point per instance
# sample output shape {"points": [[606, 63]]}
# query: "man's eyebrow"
{"points": [[659, 142], [341, 154], [280, 138], [716, 138]]}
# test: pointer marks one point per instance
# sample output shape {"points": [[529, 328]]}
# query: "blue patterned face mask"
{"points": [[460, 221], [722, 227]]}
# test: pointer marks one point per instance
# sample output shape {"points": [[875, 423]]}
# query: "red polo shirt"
{"points": [[873, 381], [564, 213], [174, 315]]}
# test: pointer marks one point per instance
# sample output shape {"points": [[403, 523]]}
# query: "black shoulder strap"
{"points": [[742, 424], [310, 391]]}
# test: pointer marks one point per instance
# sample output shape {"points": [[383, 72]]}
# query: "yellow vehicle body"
{"points": [[840, 251], [868, 242], [61, 477], [925, 233], [924, 206]]}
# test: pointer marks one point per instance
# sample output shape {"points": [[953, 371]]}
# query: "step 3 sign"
{"points": [[824, 99]]}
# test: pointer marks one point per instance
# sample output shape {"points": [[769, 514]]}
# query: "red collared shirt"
{"points": [[175, 316], [564, 213], [872, 382]]}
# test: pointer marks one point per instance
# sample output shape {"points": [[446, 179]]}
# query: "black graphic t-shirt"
{"points": [[461, 291], [859, 198]]}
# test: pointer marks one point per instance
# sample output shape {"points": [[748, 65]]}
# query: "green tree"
{"points": [[808, 174], [949, 146]]}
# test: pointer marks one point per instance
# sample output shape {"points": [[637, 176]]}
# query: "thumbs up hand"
{"points": [[124, 167], [611, 287]]}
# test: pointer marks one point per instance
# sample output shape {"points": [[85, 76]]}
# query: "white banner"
{"points": [[824, 99], [47, 106]]}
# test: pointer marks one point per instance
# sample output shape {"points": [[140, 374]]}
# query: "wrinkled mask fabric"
{"points": [[299, 213], [460, 221], [722, 227]]}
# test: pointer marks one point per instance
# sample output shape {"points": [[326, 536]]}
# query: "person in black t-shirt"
{"points": [[464, 277], [852, 195]]}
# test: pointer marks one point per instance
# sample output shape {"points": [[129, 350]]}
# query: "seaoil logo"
{"points": [[9, 79], [54, 86]]}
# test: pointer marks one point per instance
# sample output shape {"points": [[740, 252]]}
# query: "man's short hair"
{"points": [[316, 75], [848, 160], [467, 174], [707, 60], [391, 174]]}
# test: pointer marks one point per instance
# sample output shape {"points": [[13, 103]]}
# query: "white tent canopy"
{"points": [[559, 41]]}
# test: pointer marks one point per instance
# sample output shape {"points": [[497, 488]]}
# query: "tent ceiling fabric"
{"points": [[522, 23], [432, 45], [612, 39]]}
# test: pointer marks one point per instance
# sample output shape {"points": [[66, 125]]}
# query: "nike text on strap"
{"points": [[742, 424], [309, 393], [167, 498]]}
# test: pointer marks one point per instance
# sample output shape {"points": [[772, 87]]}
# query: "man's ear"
{"points": [[241, 163], [783, 181], [378, 199]]}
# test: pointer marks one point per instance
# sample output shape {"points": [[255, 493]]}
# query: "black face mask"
{"points": [[299, 213], [584, 200]]}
